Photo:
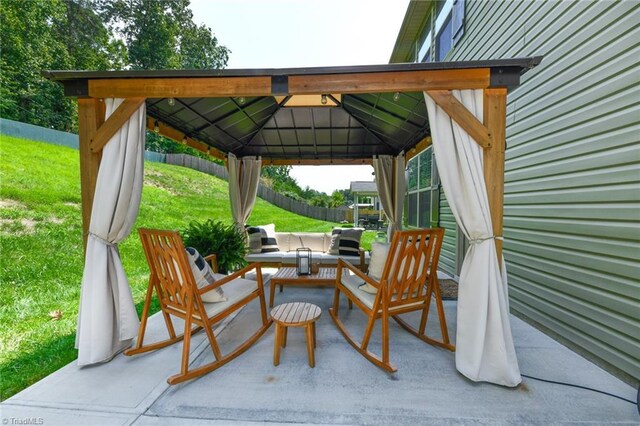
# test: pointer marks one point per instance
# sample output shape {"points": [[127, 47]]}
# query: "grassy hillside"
{"points": [[41, 247]]}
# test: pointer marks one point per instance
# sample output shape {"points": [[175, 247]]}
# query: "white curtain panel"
{"points": [[484, 345], [107, 319], [244, 175], [392, 185]]}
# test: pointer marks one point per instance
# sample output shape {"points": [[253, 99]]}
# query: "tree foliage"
{"points": [[48, 34], [162, 35], [37, 35]]}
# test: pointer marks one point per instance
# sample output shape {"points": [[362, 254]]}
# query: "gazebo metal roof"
{"points": [[284, 115]]}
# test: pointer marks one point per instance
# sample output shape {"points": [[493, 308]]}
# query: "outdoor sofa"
{"points": [[318, 242]]}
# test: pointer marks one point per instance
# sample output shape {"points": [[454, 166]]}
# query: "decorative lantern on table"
{"points": [[303, 261]]}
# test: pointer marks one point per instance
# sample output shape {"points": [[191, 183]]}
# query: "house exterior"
{"points": [[572, 177]]}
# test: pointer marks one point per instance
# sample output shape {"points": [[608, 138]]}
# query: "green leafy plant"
{"points": [[215, 237]]}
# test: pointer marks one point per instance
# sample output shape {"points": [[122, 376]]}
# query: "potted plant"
{"points": [[215, 237]]}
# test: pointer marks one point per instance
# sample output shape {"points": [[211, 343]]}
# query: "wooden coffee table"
{"points": [[288, 276]]}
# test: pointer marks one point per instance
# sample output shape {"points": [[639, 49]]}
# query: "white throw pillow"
{"points": [[204, 276], [379, 254]]}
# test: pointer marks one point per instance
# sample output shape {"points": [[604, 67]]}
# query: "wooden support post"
{"points": [[90, 117], [495, 111]]}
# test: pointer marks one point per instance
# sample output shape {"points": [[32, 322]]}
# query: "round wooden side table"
{"points": [[296, 314]]}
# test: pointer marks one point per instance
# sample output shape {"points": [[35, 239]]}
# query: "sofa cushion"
{"points": [[283, 239], [271, 257], [290, 257], [332, 259], [310, 240], [204, 276], [266, 235], [347, 241]]}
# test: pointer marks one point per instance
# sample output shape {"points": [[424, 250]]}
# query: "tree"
{"points": [[162, 35], [49, 34], [337, 199]]}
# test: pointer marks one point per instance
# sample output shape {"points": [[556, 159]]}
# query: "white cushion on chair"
{"points": [[234, 291], [352, 283]]}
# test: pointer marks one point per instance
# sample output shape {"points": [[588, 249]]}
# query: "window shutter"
{"points": [[457, 19]]}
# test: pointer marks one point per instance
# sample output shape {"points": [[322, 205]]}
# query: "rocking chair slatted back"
{"points": [[166, 258], [410, 264]]}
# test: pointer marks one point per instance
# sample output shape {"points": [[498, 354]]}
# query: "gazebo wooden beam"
{"points": [[90, 118], [461, 115], [179, 87], [177, 136], [315, 162], [495, 119], [373, 82], [115, 121], [406, 81], [420, 146]]}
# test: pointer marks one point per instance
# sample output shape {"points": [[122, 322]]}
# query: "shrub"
{"points": [[215, 237]]}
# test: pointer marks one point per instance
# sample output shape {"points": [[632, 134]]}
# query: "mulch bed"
{"points": [[449, 289]]}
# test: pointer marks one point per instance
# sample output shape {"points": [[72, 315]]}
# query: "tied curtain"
{"points": [[244, 175], [107, 318], [391, 184], [484, 344]]}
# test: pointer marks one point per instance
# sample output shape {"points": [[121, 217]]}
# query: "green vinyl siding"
{"points": [[448, 258], [572, 179]]}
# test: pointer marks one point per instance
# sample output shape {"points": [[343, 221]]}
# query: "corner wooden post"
{"points": [[90, 117], [495, 119]]}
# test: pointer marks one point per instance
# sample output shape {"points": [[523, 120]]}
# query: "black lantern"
{"points": [[303, 261]]}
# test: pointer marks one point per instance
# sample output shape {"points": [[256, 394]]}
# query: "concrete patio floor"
{"points": [[343, 388]]}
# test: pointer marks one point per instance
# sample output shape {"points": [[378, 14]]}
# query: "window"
{"points": [[446, 29], [418, 212], [457, 19], [444, 40], [424, 55]]}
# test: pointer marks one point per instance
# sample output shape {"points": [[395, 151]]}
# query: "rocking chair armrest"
{"points": [[367, 279], [238, 274], [363, 264], [213, 261]]}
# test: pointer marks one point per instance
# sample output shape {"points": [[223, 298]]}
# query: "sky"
{"points": [[306, 33]]}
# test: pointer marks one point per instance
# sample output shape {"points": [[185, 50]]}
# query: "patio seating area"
{"points": [[343, 388]]}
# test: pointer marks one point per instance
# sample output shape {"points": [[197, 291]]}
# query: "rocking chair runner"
{"points": [[178, 294], [408, 282]]}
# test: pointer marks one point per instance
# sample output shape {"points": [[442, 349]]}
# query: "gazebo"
{"points": [[366, 190], [380, 115]]}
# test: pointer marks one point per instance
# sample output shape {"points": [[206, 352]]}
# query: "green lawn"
{"points": [[41, 247]]}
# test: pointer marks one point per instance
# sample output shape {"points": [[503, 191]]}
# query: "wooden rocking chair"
{"points": [[178, 294], [408, 282]]}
